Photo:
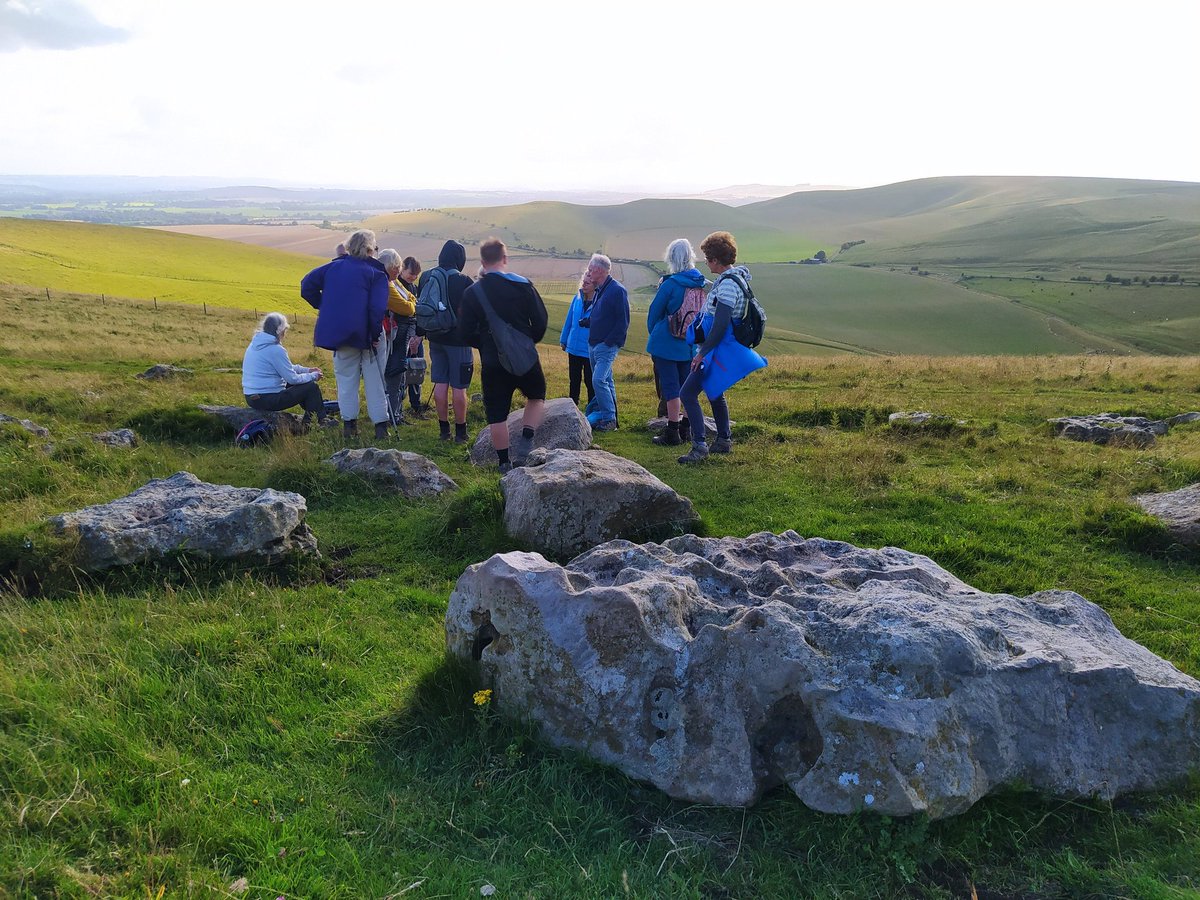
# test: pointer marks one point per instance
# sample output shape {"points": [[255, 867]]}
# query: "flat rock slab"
{"points": [[563, 427], [923, 418], [163, 370], [237, 417], [1179, 511], [1108, 428], [1184, 419], [407, 473], [565, 501], [184, 514], [32, 427], [122, 438], [717, 669]]}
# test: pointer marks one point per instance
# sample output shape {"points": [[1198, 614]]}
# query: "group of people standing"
{"points": [[598, 321], [367, 315]]}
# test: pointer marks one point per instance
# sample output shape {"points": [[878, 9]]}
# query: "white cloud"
{"points": [[52, 25]]}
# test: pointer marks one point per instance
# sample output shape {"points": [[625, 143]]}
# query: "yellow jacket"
{"points": [[400, 300]]}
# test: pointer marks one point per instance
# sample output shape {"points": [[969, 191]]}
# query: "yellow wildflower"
{"points": [[483, 698]]}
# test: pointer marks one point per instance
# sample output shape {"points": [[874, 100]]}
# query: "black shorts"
{"points": [[498, 387]]}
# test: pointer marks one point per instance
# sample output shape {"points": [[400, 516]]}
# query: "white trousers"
{"points": [[349, 366]]}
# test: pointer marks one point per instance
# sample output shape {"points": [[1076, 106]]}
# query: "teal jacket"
{"points": [[666, 301]]}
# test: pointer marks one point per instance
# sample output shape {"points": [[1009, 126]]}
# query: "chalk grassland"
{"points": [[169, 731], [147, 263], [1147, 318]]}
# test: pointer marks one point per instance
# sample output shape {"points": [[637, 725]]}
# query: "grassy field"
{"points": [[1144, 317], [146, 263], [172, 730]]}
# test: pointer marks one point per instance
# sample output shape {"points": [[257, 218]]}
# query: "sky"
{"points": [[646, 95]]}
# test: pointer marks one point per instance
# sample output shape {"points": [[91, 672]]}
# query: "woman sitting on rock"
{"points": [[269, 379]]}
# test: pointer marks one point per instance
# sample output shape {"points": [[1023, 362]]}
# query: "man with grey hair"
{"points": [[350, 295], [608, 325]]}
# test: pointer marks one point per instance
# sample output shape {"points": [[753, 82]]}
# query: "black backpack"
{"points": [[435, 315], [749, 331], [255, 432]]}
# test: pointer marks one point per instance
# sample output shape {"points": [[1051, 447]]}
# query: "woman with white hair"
{"points": [[680, 291], [270, 381], [350, 295]]}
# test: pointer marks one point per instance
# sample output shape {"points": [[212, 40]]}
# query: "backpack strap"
{"points": [[737, 279]]}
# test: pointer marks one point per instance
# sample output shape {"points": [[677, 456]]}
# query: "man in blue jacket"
{"points": [[350, 295], [608, 325]]}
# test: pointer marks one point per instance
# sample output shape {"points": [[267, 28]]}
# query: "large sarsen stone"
{"points": [[864, 679], [183, 513], [565, 501]]}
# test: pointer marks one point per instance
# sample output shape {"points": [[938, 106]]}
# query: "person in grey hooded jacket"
{"points": [[270, 381]]}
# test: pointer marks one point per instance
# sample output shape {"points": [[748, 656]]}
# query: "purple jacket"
{"points": [[350, 296]]}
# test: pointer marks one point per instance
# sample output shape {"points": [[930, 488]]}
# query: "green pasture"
{"points": [[878, 311], [146, 263], [185, 728], [1149, 318]]}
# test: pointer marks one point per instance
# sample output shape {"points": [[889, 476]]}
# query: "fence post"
{"points": [[47, 293], [206, 309], [156, 303]]}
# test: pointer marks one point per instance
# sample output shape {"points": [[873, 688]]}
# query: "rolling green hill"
{"points": [[1058, 223], [1046, 229], [145, 263]]}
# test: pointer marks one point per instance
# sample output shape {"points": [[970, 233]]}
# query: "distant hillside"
{"points": [[146, 263], [1002, 221], [955, 222]]}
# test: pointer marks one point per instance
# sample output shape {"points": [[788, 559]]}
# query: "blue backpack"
{"points": [[255, 432]]}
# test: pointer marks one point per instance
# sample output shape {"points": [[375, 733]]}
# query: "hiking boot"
{"points": [[685, 430], [349, 428], [381, 431], [505, 468], [607, 425], [698, 453], [722, 445], [521, 450], [669, 438]]}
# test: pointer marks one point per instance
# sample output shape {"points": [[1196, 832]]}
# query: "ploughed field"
{"points": [[174, 729]]}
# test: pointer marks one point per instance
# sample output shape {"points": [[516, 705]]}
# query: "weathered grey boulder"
{"points": [[407, 473], [1186, 418], [163, 370], [183, 513], [1179, 511], [922, 418], [1109, 428], [659, 424], [565, 501], [32, 427], [863, 679], [563, 427], [122, 438], [238, 416]]}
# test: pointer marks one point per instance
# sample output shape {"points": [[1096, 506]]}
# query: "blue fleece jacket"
{"points": [[666, 302], [574, 335], [609, 315], [350, 296]]}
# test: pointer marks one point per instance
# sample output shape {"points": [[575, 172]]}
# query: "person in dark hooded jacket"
{"points": [[451, 361]]}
